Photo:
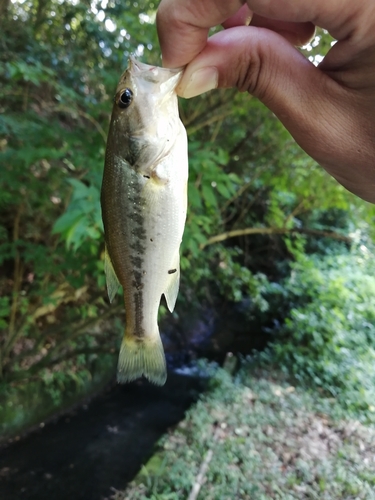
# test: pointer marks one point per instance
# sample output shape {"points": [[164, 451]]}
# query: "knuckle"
{"points": [[248, 76]]}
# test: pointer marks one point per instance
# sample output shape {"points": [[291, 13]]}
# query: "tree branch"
{"points": [[274, 231], [55, 351], [34, 369]]}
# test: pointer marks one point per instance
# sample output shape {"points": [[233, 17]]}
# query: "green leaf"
{"points": [[209, 196]]}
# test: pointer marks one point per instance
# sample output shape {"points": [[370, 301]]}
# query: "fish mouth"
{"points": [[165, 79], [154, 72]]}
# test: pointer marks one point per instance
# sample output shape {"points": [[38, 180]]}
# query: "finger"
{"points": [[241, 18], [305, 99], [297, 34], [342, 18], [183, 26], [238, 55]]}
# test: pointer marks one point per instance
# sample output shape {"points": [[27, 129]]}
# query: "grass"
{"points": [[258, 437]]}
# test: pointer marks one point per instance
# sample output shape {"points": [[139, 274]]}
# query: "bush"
{"points": [[328, 336]]}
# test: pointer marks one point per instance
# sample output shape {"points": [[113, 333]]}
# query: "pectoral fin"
{"points": [[113, 283], [171, 291]]}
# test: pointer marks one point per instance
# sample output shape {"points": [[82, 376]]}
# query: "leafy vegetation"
{"points": [[256, 204], [328, 336], [54, 316], [258, 437]]}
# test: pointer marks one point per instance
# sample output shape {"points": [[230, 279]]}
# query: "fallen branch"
{"points": [[199, 481], [273, 231]]}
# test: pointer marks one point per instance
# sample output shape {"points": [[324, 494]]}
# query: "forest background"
{"points": [[266, 226]]}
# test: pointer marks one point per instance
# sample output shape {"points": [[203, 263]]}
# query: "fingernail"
{"points": [[201, 81]]}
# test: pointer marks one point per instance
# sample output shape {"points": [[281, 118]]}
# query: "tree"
{"points": [[251, 202]]}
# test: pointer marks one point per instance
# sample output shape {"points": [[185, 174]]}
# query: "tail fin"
{"points": [[142, 357]]}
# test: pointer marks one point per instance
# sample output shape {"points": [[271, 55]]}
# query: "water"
{"points": [[102, 445]]}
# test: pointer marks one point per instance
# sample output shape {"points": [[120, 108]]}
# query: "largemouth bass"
{"points": [[144, 199]]}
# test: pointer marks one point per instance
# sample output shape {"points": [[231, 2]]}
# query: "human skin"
{"points": [[329, 109]]}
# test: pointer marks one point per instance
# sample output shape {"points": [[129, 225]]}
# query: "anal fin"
{"points": [[171, 291]]}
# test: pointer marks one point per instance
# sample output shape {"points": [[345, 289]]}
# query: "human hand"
{"points": [[329, 109]]}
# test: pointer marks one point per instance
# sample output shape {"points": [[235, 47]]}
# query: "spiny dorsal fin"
{"points": [[113, 283]]}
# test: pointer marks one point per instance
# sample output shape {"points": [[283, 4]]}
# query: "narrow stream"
{"points": [[102, 445]]}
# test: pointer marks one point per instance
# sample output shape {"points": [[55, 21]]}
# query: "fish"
{"points": [[144, 203]]}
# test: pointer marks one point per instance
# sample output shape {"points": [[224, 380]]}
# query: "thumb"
{"points": [[265, 64], [252, 59]]}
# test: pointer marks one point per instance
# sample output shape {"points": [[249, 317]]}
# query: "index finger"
{"points": [[183, 26]]}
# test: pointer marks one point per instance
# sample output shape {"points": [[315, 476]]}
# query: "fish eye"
{"points": [[125, 99]]}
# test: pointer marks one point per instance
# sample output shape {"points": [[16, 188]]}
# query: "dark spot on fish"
{"points": [[172, 271], [125, 99], [137, 276], [136, 261], [151, 239], [137, 285], [141, 233], [137, 218], [138, 230], [137, 281], [138, 303], [138, 247], [146, 176]]}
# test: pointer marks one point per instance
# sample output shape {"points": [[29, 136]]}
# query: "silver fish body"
{"points": [[144, 200]]}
